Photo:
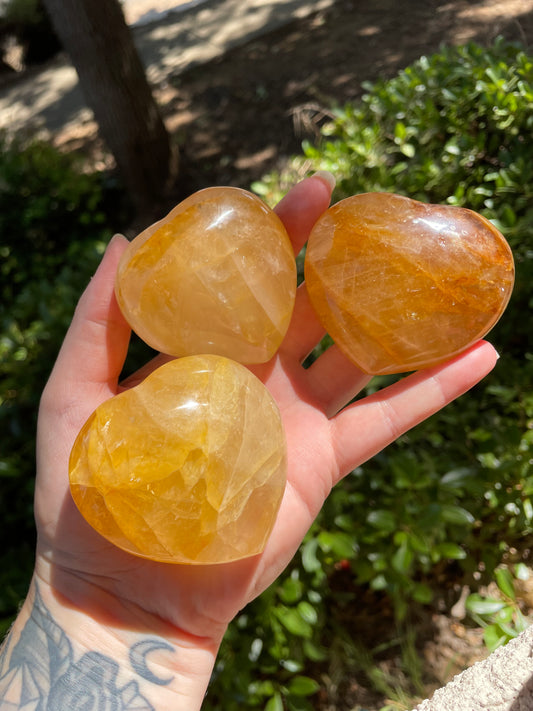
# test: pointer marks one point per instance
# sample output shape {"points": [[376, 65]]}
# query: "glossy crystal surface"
{"points": [[187, 467], [217, 275], [401, 285]]}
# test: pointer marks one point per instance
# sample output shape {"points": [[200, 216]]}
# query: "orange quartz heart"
{"points": [[216, 275], [401, 285], [187, 467]]}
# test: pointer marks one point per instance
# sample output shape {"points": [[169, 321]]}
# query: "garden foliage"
{"points": [[451, 499], [52, 234]]}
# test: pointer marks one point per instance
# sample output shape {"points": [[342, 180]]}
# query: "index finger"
{"points": [[303, 204]]}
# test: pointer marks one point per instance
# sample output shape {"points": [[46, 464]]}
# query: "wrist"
{"points": [[107, 654]]}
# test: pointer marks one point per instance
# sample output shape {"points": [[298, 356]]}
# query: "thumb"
{"points": [[95, 346]]}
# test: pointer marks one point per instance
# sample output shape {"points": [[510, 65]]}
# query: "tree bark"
{"points": [[113, 80], [502, 682]]}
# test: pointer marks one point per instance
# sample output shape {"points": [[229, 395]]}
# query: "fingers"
{"points": [[305, 330], [96, 343], [335, 381], [299, 210], [303, 205], [365, 428]]}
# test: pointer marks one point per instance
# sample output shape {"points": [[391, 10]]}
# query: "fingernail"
{"points": [[114, 239], [327, 177]]}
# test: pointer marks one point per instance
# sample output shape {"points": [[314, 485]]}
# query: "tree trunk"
{"points": [[113, 80]]}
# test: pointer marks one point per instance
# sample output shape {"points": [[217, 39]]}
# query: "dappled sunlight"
{"points": [[228, 104]]}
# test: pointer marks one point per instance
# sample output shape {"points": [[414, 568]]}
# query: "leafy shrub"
{"points": [[452, 128], [47, 204], [451, 497], [52, 236], [499, 613], [272, 643]]}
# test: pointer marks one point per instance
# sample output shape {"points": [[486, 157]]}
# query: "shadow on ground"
{"points": [[241, 116]]}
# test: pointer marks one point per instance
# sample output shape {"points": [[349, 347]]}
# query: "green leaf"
{"points": [[291, 590], [275, 703], [402, 559], [263, 688], [291, 665], [528, 508], [508, 629], [310, 561], [303, 686], [457, 478], [379, 582], [314, 652], [340, 543], [479, 605], [307, 612], [422, 593], [453, 148], [504, 580], [504, 616], [383, 520], [452, 551], [294, 622], [400, 132], [457, 515], [408, 150], [493, 637], [522, 572]]}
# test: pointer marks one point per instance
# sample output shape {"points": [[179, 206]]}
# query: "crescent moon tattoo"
{"points": [[138, 655]]}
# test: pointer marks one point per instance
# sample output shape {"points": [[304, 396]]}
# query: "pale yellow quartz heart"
{"points": [[401, 285], [187, 467], [217, 275]]}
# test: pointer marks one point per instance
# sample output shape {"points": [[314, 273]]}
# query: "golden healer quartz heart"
{"points": [[217, 275], [401, 285], [187, 467]]}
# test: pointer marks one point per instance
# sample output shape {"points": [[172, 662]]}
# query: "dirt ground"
{"points": [[244, 114]]}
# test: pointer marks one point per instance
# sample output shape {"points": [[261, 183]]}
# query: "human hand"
{"points": [[326, 440]]}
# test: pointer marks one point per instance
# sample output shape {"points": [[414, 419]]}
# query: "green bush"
{"points": [[499, 612], [48, 204], [449, 500], [52, 236], [452, 128]]}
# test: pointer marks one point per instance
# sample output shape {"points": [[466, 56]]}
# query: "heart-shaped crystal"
{"points": [[401, 285], [216, 275], [187, 467]]}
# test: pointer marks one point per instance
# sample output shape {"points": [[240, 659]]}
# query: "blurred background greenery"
{"points": [[448, 507]]}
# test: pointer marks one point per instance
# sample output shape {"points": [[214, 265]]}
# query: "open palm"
{"points": [[326, 440]]}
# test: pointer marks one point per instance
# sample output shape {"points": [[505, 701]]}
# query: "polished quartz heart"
{"points": [[217, 275], [187, 467], [401, 285]]}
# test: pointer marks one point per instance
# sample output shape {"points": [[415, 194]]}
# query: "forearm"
{"points": [[63, 658]]}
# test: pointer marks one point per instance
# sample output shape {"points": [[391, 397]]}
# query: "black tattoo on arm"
{"points": [[39, 672], [138, 654]]}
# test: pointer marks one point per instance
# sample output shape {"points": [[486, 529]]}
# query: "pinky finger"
{"points": [[365, 428]]}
